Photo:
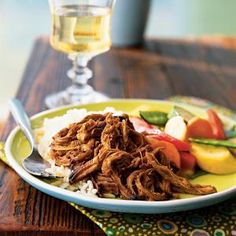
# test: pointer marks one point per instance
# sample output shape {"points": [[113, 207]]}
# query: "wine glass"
{"points": [[81, 28]]}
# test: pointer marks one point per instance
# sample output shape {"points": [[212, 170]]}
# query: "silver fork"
{"points": [[34, 163]]}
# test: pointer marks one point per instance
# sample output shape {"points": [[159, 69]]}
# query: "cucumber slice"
{"points": [[230, 133], [213, 142], [154, 117], [179, 111], [233, 150]]}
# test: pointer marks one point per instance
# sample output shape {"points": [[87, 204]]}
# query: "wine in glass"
{"points": [[81, 29]]}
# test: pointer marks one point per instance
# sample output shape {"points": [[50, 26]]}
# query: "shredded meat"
{"points": [[105, 184], [119, 160]]}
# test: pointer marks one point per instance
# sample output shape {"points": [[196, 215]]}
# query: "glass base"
{"points": [[64, 98]]}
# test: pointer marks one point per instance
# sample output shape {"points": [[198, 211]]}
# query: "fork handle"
{"points": [[22, 119]]}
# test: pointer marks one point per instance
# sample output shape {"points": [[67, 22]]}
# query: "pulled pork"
{"points": [[119, 160]]}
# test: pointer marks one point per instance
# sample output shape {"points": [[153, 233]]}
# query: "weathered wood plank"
{"points": [[21, 206]]}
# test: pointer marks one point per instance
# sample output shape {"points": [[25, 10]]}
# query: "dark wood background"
{"points": [[160, 69]]}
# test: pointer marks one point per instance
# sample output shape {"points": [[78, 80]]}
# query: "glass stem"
{"points": [[79, 74]]}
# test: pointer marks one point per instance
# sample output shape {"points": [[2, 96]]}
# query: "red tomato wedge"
{"points": [[180, 145], [216, 124], [142, 126], [199, 128], [169, 150], [188, 163]]}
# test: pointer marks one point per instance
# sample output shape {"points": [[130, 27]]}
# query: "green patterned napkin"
{"points": [[218, 220]]}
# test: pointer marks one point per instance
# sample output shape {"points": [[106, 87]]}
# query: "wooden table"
{"points": [[162, 69]]}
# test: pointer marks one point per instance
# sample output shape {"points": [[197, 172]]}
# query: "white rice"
{"points": [[44, 137]]}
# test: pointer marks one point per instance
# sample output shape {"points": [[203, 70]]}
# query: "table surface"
{"points": [[159, 69]]}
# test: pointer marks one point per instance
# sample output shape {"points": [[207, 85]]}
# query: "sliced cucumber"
{"points": [[180, 111], [154, 117], [230, 133], [213, 142], [233, 150]]}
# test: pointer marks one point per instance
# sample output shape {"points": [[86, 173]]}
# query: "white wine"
{"points": [[83, 29]]}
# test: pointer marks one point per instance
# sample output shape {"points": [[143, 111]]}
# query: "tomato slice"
{"points": [[180, 145], [200, 128], [188, 162], [169, 150], [142, 126], [216, 124]]}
